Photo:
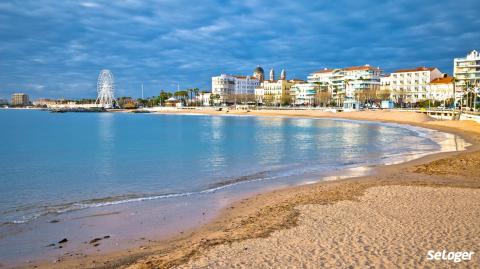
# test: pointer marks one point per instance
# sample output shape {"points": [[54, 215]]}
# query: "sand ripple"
{"points": [[389, 227]]}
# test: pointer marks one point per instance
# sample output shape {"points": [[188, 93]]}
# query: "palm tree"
{"points": [[346, 84], [466, 90], [190, 95], [196, 91], [455, 80]]}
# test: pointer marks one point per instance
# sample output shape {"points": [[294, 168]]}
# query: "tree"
{"points": [[214, 99], [323, 97], [384, 94], [163, 96], [182, 95], [286, 100], [190, 94], [195, 92], [142, 102], [268, 99]]}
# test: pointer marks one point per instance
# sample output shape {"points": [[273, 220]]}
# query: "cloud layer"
{"points": [[53, 48]]}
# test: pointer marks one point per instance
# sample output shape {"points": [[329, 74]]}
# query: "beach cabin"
{"points": [[351, 105], [173, 102], [387, 104]]}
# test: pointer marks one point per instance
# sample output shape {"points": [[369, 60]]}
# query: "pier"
{"points": [[448, 114]]}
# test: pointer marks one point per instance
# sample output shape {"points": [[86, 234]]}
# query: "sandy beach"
{"points": [[389, 219]]}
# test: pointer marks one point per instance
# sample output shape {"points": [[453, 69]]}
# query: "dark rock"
{"points": [[106, 237], [96, 245], [54, 221], [50, 245], [64, 240], [95, 240]]}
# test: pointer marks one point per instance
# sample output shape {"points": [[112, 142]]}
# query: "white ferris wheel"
{"points": [[105, 89]]}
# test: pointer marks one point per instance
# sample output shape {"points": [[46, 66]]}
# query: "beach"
{"points": [[390, 218]]}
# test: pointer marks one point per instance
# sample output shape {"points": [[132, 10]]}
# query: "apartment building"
{"points": [[348, 82], [467, 70], [411, 85], [230, 86]]}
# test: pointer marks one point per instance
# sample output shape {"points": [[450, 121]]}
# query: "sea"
{"points": [[62, 166]]}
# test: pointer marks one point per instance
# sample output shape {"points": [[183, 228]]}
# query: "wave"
{"points": [[118, 200]]}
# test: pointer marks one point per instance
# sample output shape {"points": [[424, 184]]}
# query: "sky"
{"points": [[56, 49]]}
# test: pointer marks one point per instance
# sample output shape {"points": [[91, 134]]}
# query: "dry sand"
{"points": [[389, 219], [388, 227]]}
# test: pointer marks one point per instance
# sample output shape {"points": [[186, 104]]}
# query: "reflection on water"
{"points": [[106, 139], [451, 142], [117, 155], [268, 138], [217, 158], [306, 123], [217, 124], [348, 173]]}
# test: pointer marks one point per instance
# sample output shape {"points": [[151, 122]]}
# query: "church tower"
{"points": [[272, 75], [283, 75]]}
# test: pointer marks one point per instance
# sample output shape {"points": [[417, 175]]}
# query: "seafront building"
{"points": [[411, 85], [385, 83], [304, 93], [3, 102], [441, 89], [349, 82], [357, 84], [44, 102], [274, 92], [466, 70], [20, 99], [204, 98], [229, 87]]}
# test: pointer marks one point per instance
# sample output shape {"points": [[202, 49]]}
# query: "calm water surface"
{"points": [[55, 163]]}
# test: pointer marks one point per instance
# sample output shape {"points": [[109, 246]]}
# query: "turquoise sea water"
{"points": [[57, 163]]}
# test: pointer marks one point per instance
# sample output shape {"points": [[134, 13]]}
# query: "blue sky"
{"points": [[52, 48]]}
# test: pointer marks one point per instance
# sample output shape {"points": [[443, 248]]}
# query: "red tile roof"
{"points": [[362, 67], [350, 68], [423, 68], [444, 80], [323, 71], [245, 77]]}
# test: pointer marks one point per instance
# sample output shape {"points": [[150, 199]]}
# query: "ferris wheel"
{"points": [[105, 89]]}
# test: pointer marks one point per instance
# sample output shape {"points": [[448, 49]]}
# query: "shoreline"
{"points": [[243, 219]]}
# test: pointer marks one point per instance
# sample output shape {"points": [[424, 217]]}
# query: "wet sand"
{"points": [[253, 232]]}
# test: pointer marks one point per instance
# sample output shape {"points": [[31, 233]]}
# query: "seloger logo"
{"points": [[455, 256]]}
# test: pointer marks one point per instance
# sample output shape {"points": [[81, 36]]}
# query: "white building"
{"points": [[260, 95], [440, 89], [204, 98], [227, 86], [304, 93], [323, 76], [349, 81], [385, 82], [467, 70], [410, 85]]}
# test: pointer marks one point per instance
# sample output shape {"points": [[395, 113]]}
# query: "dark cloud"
{"points": [[55, 48]]}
